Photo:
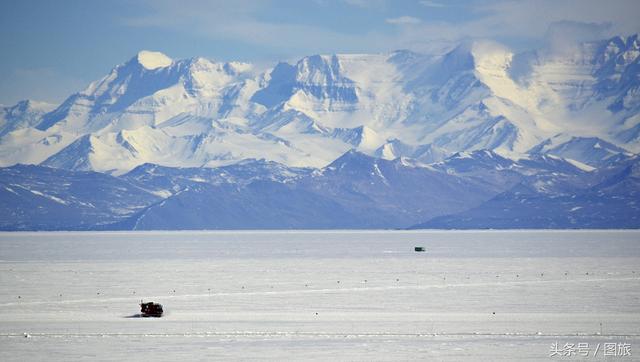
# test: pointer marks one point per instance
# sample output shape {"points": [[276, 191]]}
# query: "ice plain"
{"points": [[317, 295]]}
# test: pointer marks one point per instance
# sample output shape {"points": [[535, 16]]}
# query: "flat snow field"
{"points": [[316, 295]]}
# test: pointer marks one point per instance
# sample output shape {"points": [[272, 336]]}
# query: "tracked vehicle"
{"points": [[151, 309]]}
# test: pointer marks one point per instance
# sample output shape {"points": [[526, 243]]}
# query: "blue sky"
{"points": [[51, 49]]}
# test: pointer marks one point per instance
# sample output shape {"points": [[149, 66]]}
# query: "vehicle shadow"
{"points": [[140, 315], [137, 315]]}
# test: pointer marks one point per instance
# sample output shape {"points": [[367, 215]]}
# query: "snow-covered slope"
{"points": [[42, 198], [24, 114], [20, 142], [148, 90], [551, 202], [197, 112], [592, 151], [469, 189]]}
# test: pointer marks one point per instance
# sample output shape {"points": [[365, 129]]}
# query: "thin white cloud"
{"points": [[532, 18], [241, 21], [403, 20], [366, 3], [527, 21], [431, 4], [563, 35], [522, 21]]}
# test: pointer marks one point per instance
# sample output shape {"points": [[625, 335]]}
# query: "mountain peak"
{"points": [[25, 113], [477, 53], [153, 60], [26, 104], [351, 157], [197, 111]]}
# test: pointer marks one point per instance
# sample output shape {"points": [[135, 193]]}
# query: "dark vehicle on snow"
{"points": [[151, 309]]}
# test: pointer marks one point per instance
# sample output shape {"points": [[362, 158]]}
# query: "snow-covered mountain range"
{"points": [[197, 112], [476, 121], [478, 189]]}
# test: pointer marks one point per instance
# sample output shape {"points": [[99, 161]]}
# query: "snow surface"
{"points": [[316, 295], [153, 60]]}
